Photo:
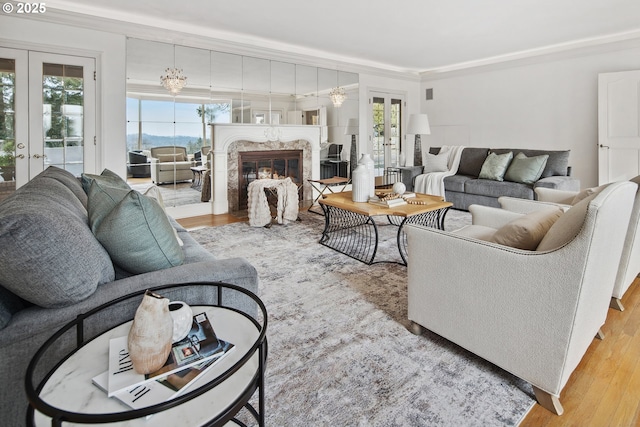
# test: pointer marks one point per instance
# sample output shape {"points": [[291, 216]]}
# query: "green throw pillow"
{"points": [[138, 235], [107, 177], [495, 166], [526, 170], [102, 198]]}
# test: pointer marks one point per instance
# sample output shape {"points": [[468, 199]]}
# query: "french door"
{"points": [[386, 112], [47, 115]]}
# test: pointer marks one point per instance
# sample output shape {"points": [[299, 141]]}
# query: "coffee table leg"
{"points": [[350, 233], [433, 219]]}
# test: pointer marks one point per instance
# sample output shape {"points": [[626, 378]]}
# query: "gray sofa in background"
{"points": [[53, 269], [465, 188]]}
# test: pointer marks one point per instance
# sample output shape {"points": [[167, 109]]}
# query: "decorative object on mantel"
{"points": [[337, 96], [352, 129], [149, 340], [182, 316], [418, 125], [360, 184], [368, 162], [173, 80]]}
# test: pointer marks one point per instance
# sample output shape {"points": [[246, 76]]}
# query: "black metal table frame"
{"points": [[356, 235], [58, 416]]}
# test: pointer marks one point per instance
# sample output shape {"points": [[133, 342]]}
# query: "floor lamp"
{"points": [[418, 125], [353, 130]]}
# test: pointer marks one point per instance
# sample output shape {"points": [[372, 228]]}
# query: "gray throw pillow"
{"points": [[495, 166], [138, 235], [107, 177], [526, 170]]}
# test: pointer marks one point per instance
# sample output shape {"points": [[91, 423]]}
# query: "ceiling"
{"points": [[409, 35]]}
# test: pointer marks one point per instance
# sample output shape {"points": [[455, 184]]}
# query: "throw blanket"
{"points": [[433, 182], [259, 211]]}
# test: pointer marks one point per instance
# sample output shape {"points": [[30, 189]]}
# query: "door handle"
{"points": [[37, 156], [604, 146], [20, 156]]}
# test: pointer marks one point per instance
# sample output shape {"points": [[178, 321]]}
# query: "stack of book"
{"points": [[387, 203], [189, 359]]}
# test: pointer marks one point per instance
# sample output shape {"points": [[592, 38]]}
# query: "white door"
{"points": [[386, 113], [47, 114], [618, 126]]}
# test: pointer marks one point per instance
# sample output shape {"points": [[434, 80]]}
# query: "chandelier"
{"points": [[337, 96], [173, 80]]}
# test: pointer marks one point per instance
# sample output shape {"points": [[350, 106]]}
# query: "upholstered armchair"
{"points": [[139, 166], [535, 312], [629, 266], [170, 164]]}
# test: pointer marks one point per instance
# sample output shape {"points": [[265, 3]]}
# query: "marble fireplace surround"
{"points": [[228, 139]]}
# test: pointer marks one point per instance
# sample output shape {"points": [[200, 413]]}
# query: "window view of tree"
{"points": [[63, 122], [7, 120]]}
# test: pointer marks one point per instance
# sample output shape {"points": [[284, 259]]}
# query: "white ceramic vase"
{"points": [[182, 316], [360, 184], [367, 161], [150, 335]]}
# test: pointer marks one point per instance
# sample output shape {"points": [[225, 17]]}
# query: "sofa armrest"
{"points": [[555, 196], [491, 217], [409, 174], [527, 206], [566, 183]]}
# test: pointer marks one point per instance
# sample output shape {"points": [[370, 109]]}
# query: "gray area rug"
{"points": [[340, 353]]}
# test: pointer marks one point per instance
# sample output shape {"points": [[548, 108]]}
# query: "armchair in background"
{"points": [[170, 164], [532, 313], [629, 265], [139, 165]]}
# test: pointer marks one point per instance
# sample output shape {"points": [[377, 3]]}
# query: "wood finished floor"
{"points": [[604, 390]]}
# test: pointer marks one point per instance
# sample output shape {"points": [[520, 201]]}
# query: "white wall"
{"points": [[109, 49], [549, 104]]}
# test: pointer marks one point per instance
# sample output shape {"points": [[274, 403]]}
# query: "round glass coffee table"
{"points": [[59, 378]]}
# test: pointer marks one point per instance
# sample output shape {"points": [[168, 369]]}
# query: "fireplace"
{"points": [[232, 140], [277, 164]]}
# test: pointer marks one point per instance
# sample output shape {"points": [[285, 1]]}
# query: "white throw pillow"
{"points": [[437, 162]]}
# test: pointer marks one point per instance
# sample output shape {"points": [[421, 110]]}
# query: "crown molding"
{"points": [[167, 31], [619, 41]]}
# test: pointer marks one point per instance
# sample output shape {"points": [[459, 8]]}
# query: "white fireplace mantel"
{"points": [[225, 134]]}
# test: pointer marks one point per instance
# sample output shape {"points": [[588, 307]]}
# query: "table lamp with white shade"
{"points": [[353, 130], [418, 125]]}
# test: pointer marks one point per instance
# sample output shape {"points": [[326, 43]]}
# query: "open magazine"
{"points": [[164, 388], [200, 345]]}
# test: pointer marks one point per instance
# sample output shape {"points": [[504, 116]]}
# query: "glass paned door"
{"points": [[387, 130], [14, 131], [62, 117], [47, 115]]}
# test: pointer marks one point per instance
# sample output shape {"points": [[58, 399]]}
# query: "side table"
{"points": [[66, 393], [320, 185]]}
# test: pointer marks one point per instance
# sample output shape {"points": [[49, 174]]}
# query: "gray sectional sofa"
{"points": [[466, 188], [53, 268]]}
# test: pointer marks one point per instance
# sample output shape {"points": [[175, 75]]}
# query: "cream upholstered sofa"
{"points": [[629, 265], [532, 313], [170, 164]]}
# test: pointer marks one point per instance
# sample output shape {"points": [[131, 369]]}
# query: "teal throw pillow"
{"points": [[495, 166], [526, 170], [138, 235], [101, 200], [107, 177]]}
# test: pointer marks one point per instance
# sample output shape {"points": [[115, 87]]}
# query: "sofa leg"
{"points": [[415, 329], [548, 401], [616, 304], [600, 334]]}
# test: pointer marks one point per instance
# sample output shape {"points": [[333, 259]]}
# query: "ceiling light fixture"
{"points": [[337, 96], [173, 80]]}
